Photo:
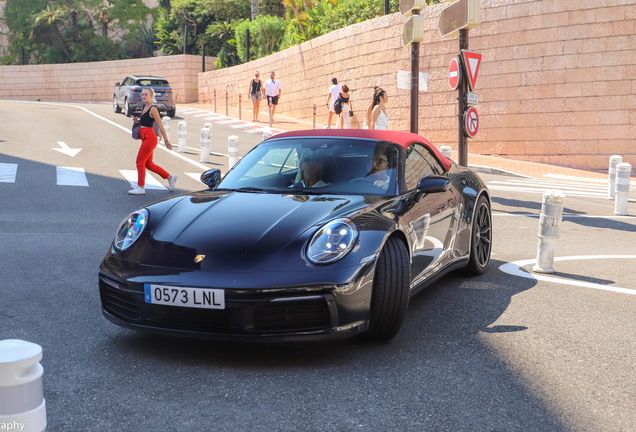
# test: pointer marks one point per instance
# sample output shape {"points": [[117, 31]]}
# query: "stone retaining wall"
{"points": [[557, 83], [95, 81]]}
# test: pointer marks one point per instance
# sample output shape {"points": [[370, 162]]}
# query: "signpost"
{"points": [[458, 18], [412, 35]]}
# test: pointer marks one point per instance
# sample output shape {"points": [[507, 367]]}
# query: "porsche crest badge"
{"points": [[199, 258]]}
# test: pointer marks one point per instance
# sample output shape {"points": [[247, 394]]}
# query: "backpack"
{"points": [[337, 106]]}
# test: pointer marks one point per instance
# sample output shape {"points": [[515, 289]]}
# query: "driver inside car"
{"points": [[380, 164], [310, 171]]}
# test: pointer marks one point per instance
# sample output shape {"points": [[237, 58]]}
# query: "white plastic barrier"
{"points": [[623, 175], [182, 136], [209, 126], [614, 161], [22, 405], [445, 150], [166, 126], [267, 133], [551, 215], [232, 150], [205, 145]]}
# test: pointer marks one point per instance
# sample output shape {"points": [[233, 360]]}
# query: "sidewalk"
{"points": [[480, 163]]}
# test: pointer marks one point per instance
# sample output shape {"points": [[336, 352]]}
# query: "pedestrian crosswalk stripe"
{"points": [[196, 176], [539, 186], [8, 172], [151, 182], [69, 176]]}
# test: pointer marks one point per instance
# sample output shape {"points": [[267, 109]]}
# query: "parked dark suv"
{"points": [[127, 95]]}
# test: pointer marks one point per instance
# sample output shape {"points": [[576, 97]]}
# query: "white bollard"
{"points": [[551, 213], [166, 126], [445, 150], [205, 145], [623, 175], [614, 161], [22, 405], [209, 126], [182, 136], [267, 133], [232, 150]]}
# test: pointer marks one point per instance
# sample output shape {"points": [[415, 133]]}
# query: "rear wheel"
{"points": [[390, 297], [116, 107], [129, 110], [172, 113], [481, 241]]}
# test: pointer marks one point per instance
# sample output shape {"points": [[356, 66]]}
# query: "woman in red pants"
{"points": [[149, 115]]}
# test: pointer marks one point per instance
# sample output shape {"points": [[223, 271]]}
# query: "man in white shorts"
{"points": [[334, 92], [273, 91]]}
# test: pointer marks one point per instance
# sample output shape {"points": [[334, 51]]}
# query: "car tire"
{"points": [[390, 297], [481, 238], [128, 109], [116, 107], [172, 113]]}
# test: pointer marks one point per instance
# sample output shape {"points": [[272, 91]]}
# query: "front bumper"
{"points": [[264, 315]]}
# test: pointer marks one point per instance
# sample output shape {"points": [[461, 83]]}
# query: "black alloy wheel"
{"points": [[481, 241], [116, 107], [390, 297]]}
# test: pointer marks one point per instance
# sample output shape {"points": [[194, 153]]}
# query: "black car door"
{"points": [[429, 218]]}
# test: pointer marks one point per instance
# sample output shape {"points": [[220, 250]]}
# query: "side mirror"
{"points": [[116, 84], [433, 184], [211, 178]]}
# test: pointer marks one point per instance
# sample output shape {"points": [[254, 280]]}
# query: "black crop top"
{"points": [[146, 120]]}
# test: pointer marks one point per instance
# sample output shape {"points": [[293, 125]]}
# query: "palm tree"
{"points": [[48, 19]]}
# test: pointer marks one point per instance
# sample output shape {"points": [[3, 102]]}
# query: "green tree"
{"points": [[224, 31], [47, 23], [266, 35], [18, 16]]}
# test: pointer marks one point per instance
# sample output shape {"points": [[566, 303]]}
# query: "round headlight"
{"points": [[332, 242], [130, 229]]}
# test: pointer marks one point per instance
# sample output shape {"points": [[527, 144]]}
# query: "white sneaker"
{"points": [[327, 127], [137, 191], [171, 181]]}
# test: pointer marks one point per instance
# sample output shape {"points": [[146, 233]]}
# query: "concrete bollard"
{"points": [[166, 126], [226, 103], [209, 126], [182, 136], [267, 133], [445, 150], [215, 101], [205, 145], [623, 175], [232, 150], [22, 404], [614, 161], [551, 214], [240, 106]]}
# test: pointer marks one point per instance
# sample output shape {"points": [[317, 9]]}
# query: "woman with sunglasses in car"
{"points": [[310, 171], [380, 164], [256, 94]]}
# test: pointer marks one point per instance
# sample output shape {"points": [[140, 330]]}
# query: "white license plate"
{"points": [[185, 297]]}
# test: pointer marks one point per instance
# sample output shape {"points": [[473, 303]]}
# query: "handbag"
{"points": [[135, 130], [350, 113]]}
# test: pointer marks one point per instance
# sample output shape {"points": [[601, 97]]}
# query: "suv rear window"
{"points": [[153, 82]]}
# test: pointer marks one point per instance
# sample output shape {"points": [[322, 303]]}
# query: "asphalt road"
{"points": [[494, 353]]}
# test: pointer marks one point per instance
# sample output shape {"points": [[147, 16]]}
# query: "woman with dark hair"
{"points": [[383, 159], [379, 119], [344, 115], [367, 117], [310, 170]]}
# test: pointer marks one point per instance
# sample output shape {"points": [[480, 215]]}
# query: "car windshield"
{"points": [[318, 166]]}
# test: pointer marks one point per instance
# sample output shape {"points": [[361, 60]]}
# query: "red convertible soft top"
{"points": [[403, 139]]}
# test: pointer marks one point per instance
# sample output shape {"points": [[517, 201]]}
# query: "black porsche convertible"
{"points": [[312, 235]]}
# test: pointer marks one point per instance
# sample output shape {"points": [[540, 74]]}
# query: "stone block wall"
{"points": [[95, 81], [557, 82]]}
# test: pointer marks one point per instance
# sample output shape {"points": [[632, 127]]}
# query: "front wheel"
{"points": [[390, 297], [172, 113], [481, 238], [116, 107]]}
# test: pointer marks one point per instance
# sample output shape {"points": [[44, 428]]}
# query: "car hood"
{"points": [[238, 232]]}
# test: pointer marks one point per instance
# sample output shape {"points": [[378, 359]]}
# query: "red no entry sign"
{"points": [[454, 74], [471, 122]]}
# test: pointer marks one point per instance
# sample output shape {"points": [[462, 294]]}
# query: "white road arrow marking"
{"points": [[66, 150]]}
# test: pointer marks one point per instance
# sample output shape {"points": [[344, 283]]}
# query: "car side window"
{"points": [[127, 82], [420, 162]]}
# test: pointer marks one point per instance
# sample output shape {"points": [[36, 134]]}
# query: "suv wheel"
{"points": [[128, 108], [116, 107], [172, 113]]}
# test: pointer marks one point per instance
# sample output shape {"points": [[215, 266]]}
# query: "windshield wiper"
{"points": [[249, 189]]}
